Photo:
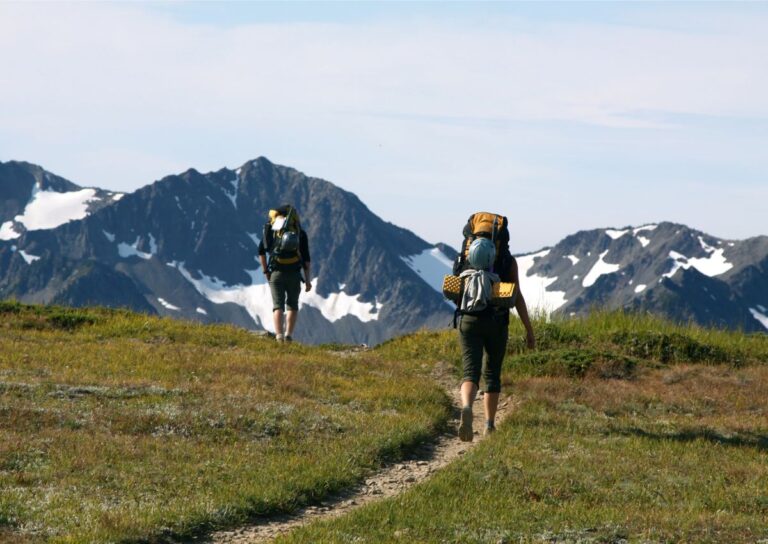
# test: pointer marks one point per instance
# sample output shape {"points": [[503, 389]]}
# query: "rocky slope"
{"points": [[186, 246], [668, 269]]}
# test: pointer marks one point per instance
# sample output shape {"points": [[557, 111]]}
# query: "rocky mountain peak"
{"points": [[187, 246]]}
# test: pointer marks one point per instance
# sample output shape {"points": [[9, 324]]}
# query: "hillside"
{"points": [[625, 428], [116, 426], [119, 427]]}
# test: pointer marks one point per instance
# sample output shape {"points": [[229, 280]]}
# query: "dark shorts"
{"points": [[285, 287], [483, 345]]}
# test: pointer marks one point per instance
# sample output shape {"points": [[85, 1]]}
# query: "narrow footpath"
{"points": [[390, 481]]}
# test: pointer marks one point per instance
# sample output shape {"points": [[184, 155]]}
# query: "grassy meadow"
{"points": [[625, 428], [119, 427]]}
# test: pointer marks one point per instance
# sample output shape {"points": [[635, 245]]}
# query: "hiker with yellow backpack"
{"points": [[485, 284], [288, 248]]}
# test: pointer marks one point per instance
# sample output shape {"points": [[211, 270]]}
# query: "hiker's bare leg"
{"points": [[290, 321], [277, 315], [468, 393], [490, 403]]}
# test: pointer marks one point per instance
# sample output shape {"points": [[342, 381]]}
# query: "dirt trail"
{"points": [[388, 482]]}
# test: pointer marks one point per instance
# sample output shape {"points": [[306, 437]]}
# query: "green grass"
{"points": [[602, 336], [625, 428], [121, 427], [118, 427]]}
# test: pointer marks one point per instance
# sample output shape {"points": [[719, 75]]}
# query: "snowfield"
{"points": [[431, 265], [534, 287], [257, 300], [711, 266], [598, 269], [761, 317], [49, 209], [131, 250]]}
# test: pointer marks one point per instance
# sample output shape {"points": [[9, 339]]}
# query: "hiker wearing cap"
{"points": [[288, 248], [483, 322]]}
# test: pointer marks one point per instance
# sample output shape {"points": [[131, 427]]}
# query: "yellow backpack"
{"points": [[493, 226], [282, 236]]}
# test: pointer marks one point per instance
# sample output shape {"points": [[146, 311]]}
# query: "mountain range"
{"points": [[666, 268], [186, 246]]}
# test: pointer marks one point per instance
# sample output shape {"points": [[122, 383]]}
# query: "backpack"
{"points": [[282, 234], [477, 293], [467, 288], [491, 226]]}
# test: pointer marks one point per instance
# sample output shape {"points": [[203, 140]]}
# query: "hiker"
{"points": [[484, 328], [288, 248]]}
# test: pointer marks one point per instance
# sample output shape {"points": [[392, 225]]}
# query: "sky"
{"points": [[564, 116]]}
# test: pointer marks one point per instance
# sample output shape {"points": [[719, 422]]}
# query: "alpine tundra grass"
{"points": [[116, 426], [625, 428]]}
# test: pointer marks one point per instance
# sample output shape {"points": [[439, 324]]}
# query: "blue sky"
{"points": [[563, 116]]}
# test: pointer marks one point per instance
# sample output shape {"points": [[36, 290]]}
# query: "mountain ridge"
{"points": [[191, 240], [646, 268], [186, 246]]}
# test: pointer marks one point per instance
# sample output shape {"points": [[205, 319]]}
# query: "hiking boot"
{"points": [[465, 426], [489, 430], [280, 338], [288, 338]]}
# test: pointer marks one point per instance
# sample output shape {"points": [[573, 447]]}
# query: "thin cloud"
{"points": [[377, 107]]}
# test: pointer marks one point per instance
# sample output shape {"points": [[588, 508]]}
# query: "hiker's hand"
{"points": [[530, 340], [307, 286], [268, 275]]}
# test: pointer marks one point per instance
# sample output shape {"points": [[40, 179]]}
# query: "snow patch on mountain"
{"points": [[713, 265], [644, 227], [27, 257], [49, 209], [126, 250], [168, 305], [642, 239], [431, 265], [640, 288], [598, 269], [108, 235], [337, 305], [616, 234], [534, 287], [257, 300], [152, 244], [235, 187], [574, 259], [7, 232], [761, 317]]}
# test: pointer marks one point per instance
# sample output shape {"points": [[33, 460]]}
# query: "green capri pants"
{"points": [[285, 286], [483, 342]]}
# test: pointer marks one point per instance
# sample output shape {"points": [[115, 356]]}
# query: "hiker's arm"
{"points": [[304, 251], [307, 276], [263, 259], [521, 307]]}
